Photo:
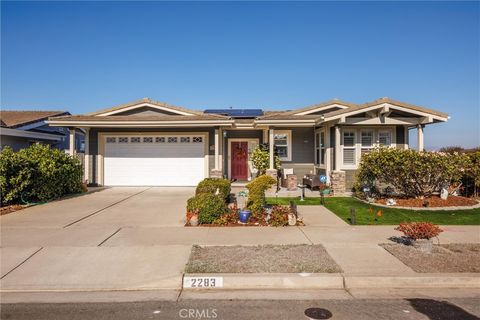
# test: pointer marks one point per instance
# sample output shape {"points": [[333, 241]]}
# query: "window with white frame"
{"points": [[366, 140], [349, 147], [282, 140], [320, 148], [384, 138]]}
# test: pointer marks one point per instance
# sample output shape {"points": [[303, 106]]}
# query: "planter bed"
{"points": [[261, 259], [432, 202], [12, 208], [445, 258]]}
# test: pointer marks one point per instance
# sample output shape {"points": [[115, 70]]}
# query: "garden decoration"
{"points": [[302, 194], [353, 216], [323, 179], [324, 189], [292, 219], [194, 220], [243, 213]]}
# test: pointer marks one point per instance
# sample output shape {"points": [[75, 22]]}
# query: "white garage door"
{"points": [[154, 160]]}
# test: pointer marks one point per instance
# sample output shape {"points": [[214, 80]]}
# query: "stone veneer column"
{"points": [[337, 181]]}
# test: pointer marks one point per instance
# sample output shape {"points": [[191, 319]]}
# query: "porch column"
{"points": [[328, 156], [407, 142], [338, 149], [420, 137], [220, 150], [217, 146], [86, 157], [271, 148], [71, 150], [265, 135]]}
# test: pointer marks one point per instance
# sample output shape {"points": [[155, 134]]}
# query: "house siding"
{"points": [[93, 135], [303, 152]]}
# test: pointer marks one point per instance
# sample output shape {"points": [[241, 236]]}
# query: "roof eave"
{"points": [[138, 124]]}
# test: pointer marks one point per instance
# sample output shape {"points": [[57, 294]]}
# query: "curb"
{"points": [[329, 281]]}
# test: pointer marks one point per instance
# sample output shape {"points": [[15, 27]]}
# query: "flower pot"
{"points": [[244, 215], [326, 191], [194, 220], [424, 245]]}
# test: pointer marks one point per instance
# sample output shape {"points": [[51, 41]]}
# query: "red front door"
{"points": [[239, 158]]}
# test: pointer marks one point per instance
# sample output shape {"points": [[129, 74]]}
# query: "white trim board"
{"points": [[144, 104]]}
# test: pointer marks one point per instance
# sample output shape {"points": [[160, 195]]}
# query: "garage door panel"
{"points": [[154, 164]]}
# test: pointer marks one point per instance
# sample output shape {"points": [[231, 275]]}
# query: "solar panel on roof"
{"points": [[237, 113]]}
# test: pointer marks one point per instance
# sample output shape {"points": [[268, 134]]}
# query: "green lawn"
{"points": [[390, 216]]}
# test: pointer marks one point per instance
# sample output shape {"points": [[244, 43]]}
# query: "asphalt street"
{"points": [[411, 309]]}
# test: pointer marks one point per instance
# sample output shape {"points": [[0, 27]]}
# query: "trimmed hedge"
{"points": [[38, 174], [256, 192], [210, 185], [209, 207], [412, 173]]}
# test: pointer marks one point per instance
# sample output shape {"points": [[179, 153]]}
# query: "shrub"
{"points": [[279, 216], [208, 206], [211, 185], [256, 192], [414, 174], [419, 230], [38, 173], [228, 218], [472, 171], [261, 159]]}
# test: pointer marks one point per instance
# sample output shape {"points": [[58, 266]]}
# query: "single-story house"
{"points": [[19, 129], [149, 143]]}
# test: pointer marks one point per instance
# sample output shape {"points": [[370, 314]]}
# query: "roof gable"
{"points": [[145, 102], [316, 108], [388, 105]]}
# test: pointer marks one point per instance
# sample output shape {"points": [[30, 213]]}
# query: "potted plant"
{"points": [[243, 213], [420, 234]]}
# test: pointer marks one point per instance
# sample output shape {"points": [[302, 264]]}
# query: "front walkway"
{"points": [[133, 238]]}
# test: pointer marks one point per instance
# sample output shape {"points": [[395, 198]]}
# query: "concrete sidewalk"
{"points": [[124, 239]]}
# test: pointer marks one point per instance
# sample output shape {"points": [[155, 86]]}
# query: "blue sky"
{"points": [[83, 56]]}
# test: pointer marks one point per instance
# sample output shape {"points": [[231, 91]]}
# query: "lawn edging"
{"points": [[420, 208], [242, 281]]}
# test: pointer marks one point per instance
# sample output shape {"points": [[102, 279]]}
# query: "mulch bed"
{"points": [[432, 202], [261, 259], [11, 208], [455, 257]]}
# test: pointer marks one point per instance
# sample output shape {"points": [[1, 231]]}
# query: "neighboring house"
{"points": [[19, 129], [155, 144]]}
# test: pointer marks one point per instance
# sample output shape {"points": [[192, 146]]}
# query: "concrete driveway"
{"points": [[134, 239]]}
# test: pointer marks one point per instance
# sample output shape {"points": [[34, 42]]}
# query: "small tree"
{"points": [[261, 159]]}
